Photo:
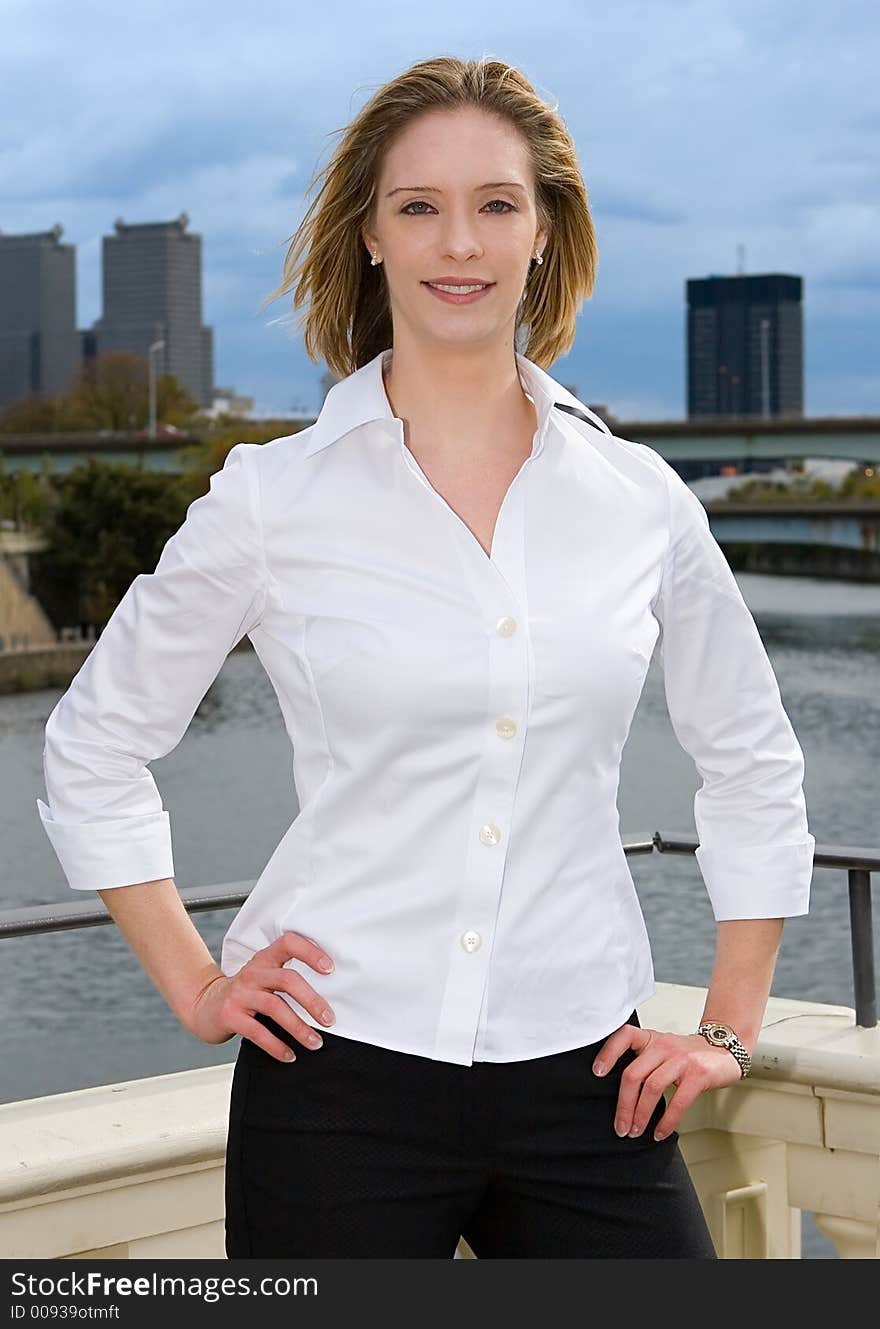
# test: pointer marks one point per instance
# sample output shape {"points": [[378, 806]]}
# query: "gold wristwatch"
{"points": [[722, 1036]]}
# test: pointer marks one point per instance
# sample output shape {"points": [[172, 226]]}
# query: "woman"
{"points": [[456, 579]]}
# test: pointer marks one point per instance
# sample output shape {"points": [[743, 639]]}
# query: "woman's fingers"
{"points": [[256, 988], [614, 1045], [643, 1083], [257, 1033], [631, 1099], [688, 1091], [288, 980], [269, 1003], [296, 946]]}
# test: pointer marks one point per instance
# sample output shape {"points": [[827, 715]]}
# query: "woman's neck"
{"points": [[460, 399]]}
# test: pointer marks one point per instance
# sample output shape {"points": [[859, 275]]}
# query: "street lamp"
{"points": [[156, 346]]}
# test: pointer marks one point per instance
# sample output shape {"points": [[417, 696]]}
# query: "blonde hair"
{"points": [[348, 321]]}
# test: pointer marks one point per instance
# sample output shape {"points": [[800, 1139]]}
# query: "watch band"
{"points": [[722, 1036]]}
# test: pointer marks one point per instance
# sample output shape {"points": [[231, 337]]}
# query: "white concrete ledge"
{"points": [[113, 1133]]}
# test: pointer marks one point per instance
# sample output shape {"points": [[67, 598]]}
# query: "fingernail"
{"points": [[636, 1130], [326, 965], [290, 1056], [659, 1135], [316, 1040], [327, 1016], [599, 1067], [620, 1128]]}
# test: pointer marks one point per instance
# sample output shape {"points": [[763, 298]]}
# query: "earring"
{"points": [[538, 258], [374, 261]]}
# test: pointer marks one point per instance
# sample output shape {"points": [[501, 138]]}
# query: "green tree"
{"points": [[200, 460], [25, 498], [861, 482], [31, 414], [109, 392], [112, 392], [109, 523]]}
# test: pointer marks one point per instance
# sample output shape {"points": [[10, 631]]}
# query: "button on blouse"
{"points": [[456, 720]]}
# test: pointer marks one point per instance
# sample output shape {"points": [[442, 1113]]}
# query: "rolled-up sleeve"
{"points": [[140, 685], [755, 852]]}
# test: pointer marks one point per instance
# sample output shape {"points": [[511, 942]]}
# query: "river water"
{"points": [[79, 1011]]}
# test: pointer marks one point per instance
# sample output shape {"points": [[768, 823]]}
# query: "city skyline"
{"points": [[744, 332], [151, 302], [695, 138]]}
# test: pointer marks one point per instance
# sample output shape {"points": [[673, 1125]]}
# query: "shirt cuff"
{"points": [[758, 881], [99, 855]]}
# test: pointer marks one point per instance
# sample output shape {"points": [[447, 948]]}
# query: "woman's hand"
{"points": [[685, 1060], [226, 1006]]}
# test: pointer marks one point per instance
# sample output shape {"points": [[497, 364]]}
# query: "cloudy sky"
{"points": [[701, 125]]}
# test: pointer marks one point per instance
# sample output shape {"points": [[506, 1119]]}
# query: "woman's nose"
{"points": [[460, 239]]}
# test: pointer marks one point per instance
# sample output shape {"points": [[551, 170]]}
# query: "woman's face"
{"points": [[455, 200]]}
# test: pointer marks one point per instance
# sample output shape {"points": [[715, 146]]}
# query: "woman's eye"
{"points": [[420, 203]]}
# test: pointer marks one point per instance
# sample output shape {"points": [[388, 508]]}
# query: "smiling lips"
{"points": [[458, 286], [459, 292]]}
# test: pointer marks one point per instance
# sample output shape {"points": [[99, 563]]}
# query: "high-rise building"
{"points": [[745, 346], [152, 287], [39, 344]]}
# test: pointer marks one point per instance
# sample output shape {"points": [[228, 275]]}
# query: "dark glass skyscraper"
{"points": [[152, 281], [39, 343], [745, 346]]}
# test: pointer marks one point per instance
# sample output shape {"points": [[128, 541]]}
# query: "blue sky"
{"points": [[700, 126]]}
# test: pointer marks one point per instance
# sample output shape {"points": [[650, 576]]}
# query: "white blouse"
{"points": [[457, 722]]}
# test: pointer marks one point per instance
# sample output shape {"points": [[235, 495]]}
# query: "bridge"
{"points": [[703, 447], [694, 447], [807, 537], [838, 524]]}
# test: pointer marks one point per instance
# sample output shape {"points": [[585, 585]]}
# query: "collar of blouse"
{"points": [[361, 398]]}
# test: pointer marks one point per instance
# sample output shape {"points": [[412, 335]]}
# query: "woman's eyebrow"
{"points": [[431, 189]]}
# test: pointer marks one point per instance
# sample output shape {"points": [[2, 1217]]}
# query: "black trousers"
{"points": [[357, 1150]]}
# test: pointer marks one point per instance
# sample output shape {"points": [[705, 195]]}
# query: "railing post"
{"points": [[862, 936]]}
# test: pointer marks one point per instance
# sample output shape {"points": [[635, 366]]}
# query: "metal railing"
{"points": [[31, 920]]}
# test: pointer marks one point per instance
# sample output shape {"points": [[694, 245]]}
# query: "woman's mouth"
{"points": [[463, 293]]}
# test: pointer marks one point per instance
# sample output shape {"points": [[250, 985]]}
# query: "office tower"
{"points": [[152, 284], [745, 346], [39, 345]]}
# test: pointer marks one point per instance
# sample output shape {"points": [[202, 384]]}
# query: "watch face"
{"points": [[719, 1033]]}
